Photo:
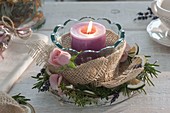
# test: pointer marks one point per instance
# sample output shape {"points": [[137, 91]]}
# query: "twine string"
{"points": [[7, 29], [23, 33]]}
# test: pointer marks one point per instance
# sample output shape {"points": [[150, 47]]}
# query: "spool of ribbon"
{"points": [[7, 30]]}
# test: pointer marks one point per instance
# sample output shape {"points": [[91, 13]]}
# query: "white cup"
{"points": [[161, 8]]}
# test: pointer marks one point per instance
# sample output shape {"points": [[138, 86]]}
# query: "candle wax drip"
{"points": [[84, 30]]}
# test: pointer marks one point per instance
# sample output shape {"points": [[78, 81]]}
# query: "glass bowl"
{"points": [[61, 34]]}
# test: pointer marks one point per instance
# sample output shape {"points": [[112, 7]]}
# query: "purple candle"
{"points": [[88, 36]]}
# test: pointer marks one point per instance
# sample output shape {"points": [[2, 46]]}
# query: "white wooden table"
{"points": [[157, 99]]}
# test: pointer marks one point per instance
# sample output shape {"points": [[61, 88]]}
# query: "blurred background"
{"points": [[96, 0]]}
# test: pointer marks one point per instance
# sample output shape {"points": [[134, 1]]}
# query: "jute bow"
{"points": [[7, 30]]}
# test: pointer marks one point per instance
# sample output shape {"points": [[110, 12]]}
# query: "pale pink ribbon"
{"points": [[55, 81]]}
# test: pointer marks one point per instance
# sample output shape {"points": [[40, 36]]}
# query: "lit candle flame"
{"points": [[89, 27]]}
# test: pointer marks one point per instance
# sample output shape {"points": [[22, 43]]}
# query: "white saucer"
{"points": [[158, 32]]}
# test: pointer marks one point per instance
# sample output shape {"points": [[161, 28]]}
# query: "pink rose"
{"points": [[55, 81], [59, 57]]}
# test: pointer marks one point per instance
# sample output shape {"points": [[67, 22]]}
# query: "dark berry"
{"points": [[146, 13], [115, 96], [140, 13], [145, 17], [139, 18], [38, 75], [150, 16], [149, 9], [45, 88], [155, 17], [47, 83], [42, 70], [42, 90]]}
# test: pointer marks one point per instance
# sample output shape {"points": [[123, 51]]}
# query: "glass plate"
{"points": [[100, 102], [28, 108]]}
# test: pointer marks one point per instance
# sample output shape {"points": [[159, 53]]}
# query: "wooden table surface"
{"points": [[157, 99]]}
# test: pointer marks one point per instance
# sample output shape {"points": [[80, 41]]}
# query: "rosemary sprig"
{"points": [[149, 72], [20, 99], [42, 81], [88, 94]]}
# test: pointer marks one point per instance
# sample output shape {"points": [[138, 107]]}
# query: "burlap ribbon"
{"points": [[104, 71], [9, 105]]}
